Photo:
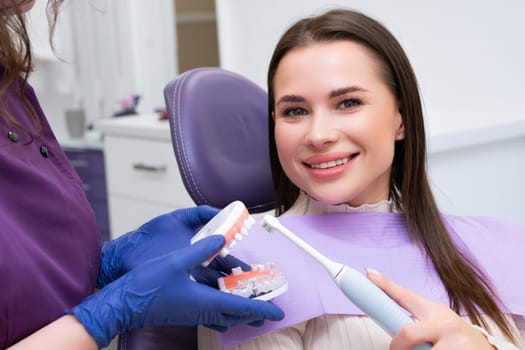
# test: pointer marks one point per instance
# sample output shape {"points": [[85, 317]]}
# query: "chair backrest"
{"points": [[160, 338], [218, 122]]}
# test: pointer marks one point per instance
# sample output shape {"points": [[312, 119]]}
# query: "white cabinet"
{"points": [[142, 176]]}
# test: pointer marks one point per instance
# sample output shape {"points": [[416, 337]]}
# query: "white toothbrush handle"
{"points": [[374, 302]]}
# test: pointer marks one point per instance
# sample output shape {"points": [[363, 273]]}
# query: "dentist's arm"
{"points": [[65, 333]]}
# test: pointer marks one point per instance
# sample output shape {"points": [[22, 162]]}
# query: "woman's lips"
{"points": [[330, 168]]}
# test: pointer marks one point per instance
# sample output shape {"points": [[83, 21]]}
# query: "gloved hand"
{"points": [[219, 267], [160, 293], [157, 237]]}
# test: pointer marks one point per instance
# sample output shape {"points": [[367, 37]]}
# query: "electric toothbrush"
{"points": [[359, 289]]}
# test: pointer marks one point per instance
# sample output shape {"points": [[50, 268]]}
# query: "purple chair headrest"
{"points": [[219, 131]]}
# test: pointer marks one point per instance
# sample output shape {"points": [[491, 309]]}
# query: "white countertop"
{"points": [[92, 139], [452, 130], [147, 126]]}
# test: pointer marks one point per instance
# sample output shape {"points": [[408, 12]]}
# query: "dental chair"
{"points": [[219, 132]]}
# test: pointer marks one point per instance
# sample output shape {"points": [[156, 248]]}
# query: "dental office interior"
{"points": [[102, 90]]}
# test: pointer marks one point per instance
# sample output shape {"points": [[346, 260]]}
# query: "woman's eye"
{"points": [[294, 112], [349, 103]]}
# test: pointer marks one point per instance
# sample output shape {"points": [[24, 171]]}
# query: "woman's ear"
{"points": [[273, 116], [400, 133]]}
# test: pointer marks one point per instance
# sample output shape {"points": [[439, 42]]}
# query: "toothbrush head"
{"points": [[270, 223]]}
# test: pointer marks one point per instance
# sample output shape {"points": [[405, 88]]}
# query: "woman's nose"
{"points": [[322, 131]]}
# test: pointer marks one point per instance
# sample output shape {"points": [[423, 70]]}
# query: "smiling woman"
{"points": [[380, 126], [336, 140]]}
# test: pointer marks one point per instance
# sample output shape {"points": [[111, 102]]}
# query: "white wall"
{"points": [[481, 179], [467, 54], [469, 57], [54, 80]]}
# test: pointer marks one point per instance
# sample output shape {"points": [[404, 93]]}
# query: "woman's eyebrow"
{"points": [[346, 90], [333, 94], [290, 98]]}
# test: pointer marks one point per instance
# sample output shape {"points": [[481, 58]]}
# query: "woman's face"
{"points": [[336, 122]]}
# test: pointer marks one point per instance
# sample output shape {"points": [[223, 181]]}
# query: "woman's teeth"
{"points": [[330, 164]]}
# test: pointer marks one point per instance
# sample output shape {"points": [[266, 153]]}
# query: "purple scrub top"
{"points": [[49, 241]]}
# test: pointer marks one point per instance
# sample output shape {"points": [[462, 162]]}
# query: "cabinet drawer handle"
{"points": [[79, 163], [151, 168]]}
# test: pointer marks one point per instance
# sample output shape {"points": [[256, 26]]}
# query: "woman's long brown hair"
{"points": [[467, 287], [15, 53]]}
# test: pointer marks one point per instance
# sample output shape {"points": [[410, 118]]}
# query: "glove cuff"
{"points": [[107, 272], [101, 316], [92, 326]]}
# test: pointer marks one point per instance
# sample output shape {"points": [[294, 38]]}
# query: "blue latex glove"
{"points": [[160, 293], [157, 237], [219, 267]]}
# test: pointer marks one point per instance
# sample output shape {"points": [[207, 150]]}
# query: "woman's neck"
{"points": [[308, 205]]}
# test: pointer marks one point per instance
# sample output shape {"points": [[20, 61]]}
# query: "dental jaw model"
{"points": [[263, 281], [232, 222]]}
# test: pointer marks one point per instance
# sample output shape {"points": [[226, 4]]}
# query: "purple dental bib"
{"points": [[379, 241]]}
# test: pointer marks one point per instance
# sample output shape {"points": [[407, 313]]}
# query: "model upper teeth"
{"points": [[330, 164]]}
